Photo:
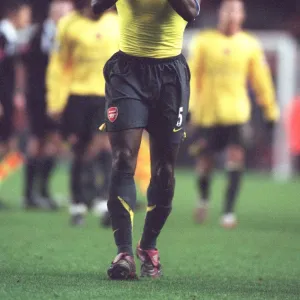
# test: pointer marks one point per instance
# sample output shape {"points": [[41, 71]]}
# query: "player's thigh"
{"points": [[96, 117], [53, 143], [74, 124], [37, 116], [125, 146], [204, 147], [96, 114], [126, 92], [99, 142], [205, 141]]}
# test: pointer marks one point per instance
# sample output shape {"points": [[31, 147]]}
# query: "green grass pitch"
{"points": [[41, 257]]}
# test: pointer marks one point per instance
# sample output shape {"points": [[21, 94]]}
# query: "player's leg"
{"points": [[50, 150], [100, 155], [73, 127], [235, 157], [160, 190], [98, 174], [127, 87], [204, 168], [160, 197], [203, 150], [78, 202], [122, 198], [4, 124], [38, 164], [166, 128], [103, 166], [6, 121], [31, 171]]}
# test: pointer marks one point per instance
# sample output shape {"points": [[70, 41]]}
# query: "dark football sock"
{"points": [[204, 187], [76, 181], [234, 182], [103, 173], [31, 173], [158, 211], [88, 183], [47, 166], [121, 204]]}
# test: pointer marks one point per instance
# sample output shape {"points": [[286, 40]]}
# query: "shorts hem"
{"points": [[123, 129]]}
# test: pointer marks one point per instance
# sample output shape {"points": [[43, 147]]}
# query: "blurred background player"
{"points": [[222, 60], [17, 16], [84, 45], [43, 143]]}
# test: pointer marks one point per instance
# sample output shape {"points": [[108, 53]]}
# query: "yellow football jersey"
{"points": [[150, 28], [221, 67], [58, 85], [83, 48]]}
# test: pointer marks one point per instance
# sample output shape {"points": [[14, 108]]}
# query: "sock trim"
{"points": [[151, 208], [128, 209]]}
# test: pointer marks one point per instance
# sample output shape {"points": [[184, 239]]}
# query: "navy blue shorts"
{"points": [[147, 93]]}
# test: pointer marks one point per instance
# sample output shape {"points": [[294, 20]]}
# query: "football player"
{"points": [[222, 61], [147, 87]]}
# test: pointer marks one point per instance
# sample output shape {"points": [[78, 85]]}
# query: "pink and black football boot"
{"points": [[150, 262], [122, 268]]}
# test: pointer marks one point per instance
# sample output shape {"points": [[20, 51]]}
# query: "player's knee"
{"points": [[162, 185], [33, 147], [124, 160], [204, 165], [236, 154], [164, 175], [235, 157], [53, 144], [50, 149]]}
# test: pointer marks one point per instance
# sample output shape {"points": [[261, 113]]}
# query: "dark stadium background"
{"points": [[280, 15]]}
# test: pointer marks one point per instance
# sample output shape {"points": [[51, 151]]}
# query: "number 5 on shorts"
{"points": [[180, 118]]}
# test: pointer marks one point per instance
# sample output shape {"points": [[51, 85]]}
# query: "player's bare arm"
{"points": [[99, 6], [187, 9]]}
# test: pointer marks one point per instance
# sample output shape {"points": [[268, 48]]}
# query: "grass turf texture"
{"points": [[41, 257]]}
